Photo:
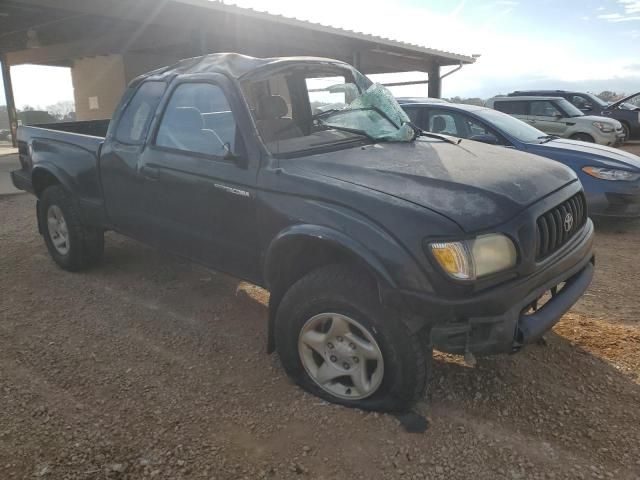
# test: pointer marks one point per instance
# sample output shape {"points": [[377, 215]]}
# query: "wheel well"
{"points": [[583, 134], [297, 257], [43, 179]]}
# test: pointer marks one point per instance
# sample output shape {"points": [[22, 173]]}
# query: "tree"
{"points": [[609, 96], [62, 110], [468, 101]]}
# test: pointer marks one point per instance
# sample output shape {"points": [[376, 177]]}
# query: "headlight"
{"points": [[604, 127], [611, 174], [471, 259]]}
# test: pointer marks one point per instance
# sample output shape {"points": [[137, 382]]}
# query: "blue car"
{"points": [[611, 177]]}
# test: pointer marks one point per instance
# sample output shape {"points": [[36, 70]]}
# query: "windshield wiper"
{"points": [[351, 130], [547, 138], [319, 115], [423, 133]]}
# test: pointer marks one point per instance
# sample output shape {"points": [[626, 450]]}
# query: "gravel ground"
{"points": [[151, 367]]}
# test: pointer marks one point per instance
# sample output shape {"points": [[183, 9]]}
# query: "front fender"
{"points": [[332, 237], [352, 249]]}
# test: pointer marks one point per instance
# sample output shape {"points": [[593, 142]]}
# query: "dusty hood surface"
{"points": [[475, 185]]}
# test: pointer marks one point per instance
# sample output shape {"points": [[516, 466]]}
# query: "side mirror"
{"points": [[240, 160], [558, 116], [485, 138]]}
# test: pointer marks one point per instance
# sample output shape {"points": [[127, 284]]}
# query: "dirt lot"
{"points": [[151, 367]]}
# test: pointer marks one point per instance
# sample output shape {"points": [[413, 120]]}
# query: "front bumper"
{"points": [[612, 199], [610, 139], [495, 321]]}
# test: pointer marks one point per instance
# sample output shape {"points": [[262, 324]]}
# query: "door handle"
{"points": [[150, 173]]}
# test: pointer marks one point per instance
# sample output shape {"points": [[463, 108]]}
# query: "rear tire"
{"points": [[72, 245], [370, 357], [583, 137]]}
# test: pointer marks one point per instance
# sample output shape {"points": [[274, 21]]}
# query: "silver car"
{"points": [[557, 116]]}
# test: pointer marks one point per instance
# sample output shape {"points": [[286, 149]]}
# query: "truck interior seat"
{"points": [[439, 125], [272, 122]]}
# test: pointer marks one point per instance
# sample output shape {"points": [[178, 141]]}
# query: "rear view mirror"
{"points": [[485, 138]]}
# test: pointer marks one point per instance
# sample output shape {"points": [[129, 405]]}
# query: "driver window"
{"points": [[198, 119], [544, 108]]}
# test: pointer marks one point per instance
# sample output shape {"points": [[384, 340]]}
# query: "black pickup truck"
{"points": [[377, 241]]}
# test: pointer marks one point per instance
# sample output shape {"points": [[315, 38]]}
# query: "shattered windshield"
{"points": [[375, 114], [318, 105]]}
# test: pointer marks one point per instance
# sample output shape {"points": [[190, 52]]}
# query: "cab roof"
{"points": [[233, 65]]}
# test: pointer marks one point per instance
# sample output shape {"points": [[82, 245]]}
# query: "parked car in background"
{"points": [[557, 116], [5, 134], [611, 177], [376, 241], [625, 110]]}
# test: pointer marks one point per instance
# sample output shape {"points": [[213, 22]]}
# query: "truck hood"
{"points": [[597, 155], [622, 100], [475, 185]]}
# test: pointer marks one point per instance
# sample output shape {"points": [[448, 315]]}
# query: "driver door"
{"points": [[203, 197]]}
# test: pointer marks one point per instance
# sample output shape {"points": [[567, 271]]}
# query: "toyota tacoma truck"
{"points": [[377, 242]]}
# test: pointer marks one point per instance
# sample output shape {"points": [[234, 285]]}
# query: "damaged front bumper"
{"points": [[501, 320]]}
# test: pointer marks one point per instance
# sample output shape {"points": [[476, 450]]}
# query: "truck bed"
{"points": [[65, 151], [95, 128]]}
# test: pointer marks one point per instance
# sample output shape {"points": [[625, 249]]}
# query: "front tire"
{"points": [[72, 245], [337, 341], [627, 132]]}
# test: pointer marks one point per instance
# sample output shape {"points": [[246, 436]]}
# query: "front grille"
{"points": [[559, 224]]}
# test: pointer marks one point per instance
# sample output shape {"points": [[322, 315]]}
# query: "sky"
{"points": [[590, 45]]}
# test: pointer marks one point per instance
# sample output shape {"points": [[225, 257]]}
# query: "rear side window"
{"points": [[444, 122], [135, 120], [581, 102], [456, 124], [511, 107], [544, 108]]}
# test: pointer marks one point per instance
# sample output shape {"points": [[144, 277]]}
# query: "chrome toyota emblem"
{"points": [[568, 222]]}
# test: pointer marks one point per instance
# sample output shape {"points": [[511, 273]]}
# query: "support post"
{"points": [[356, 60], [11, 105], [435, 82]]}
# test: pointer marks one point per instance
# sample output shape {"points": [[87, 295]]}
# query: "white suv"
{"points": [[557, 116]]}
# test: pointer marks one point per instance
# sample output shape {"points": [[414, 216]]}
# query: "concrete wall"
{"points": [[98, 83]]}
